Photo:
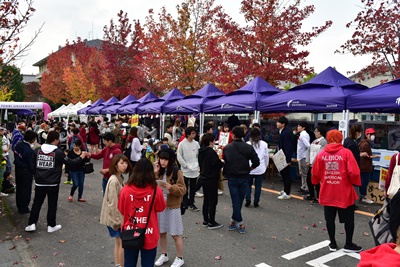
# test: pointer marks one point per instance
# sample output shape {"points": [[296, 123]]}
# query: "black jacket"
{"points": [[352, 145], [23, 154], [236, 156], [75, 167], [209, 163], [47, 162], [286, 144]]}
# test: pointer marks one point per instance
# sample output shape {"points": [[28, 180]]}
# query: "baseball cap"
{"points": [[369, 131]]}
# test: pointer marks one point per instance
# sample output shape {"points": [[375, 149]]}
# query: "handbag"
{"points": [[88, 167], [395, 181], [134, 238], [379, 225]]}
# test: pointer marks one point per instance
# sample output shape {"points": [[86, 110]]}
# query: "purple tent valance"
{"points": [[95, 104], [131, 108], [113, 109], [156, 106], [97, 110]]}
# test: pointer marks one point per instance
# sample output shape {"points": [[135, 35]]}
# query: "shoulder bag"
{"points": [[379, 225], [134, 238], [395, 181]]}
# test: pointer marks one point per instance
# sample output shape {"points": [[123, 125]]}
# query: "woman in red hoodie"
{"points": [[336, 170], [134, 204], [385, 255]]}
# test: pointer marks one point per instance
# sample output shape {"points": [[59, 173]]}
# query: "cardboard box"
{"points": [[374, 193]]}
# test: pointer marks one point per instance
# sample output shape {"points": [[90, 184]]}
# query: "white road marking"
{"points": [[306, 250], [263, 265], [331, 256]]}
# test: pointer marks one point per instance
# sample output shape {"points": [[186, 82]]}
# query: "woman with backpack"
{"points": [[170, 220]]}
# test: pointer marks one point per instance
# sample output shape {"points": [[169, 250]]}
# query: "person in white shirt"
{"points": [[187, 155], [257, 174], [6, 147], [136, 147], [302, 145]]}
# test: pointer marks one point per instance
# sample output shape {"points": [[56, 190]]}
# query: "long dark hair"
{"points": [[255, 137], [171, 164], [142, 174]]}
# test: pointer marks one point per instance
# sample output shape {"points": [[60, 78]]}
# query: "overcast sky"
{"points": [[86, 18]]}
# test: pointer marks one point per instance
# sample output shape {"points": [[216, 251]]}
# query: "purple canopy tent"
{"points": [[25, 112], [382, 98], [326, 92], [113, 108], [243, 100], [155, 107], [131, 108], [193, 103], [95, 104], [97, 110]]}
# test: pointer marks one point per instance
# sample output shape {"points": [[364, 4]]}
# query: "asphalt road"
{"points": [[279, 233]]}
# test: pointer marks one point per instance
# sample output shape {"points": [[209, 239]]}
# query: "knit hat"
{"points": [[334, 136], [284, 120]]}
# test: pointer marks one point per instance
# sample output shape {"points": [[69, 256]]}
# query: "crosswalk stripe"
{"points": [[306, 250], [331, 256], [263, 265]]}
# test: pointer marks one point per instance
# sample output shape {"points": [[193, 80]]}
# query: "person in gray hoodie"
{"points": [[187, 155], [46, 164]]}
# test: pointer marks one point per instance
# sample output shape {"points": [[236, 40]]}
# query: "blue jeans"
{"points": [[9, 163], [237, 190], [78, 179], [257, 191], [147, 257], [365, 176], [104, 184]]}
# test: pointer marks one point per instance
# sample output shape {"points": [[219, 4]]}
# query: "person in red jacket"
{"points": [[134, 204], [83, 133], [336, 170], [385, 255], [111, 149], [93, 137]]}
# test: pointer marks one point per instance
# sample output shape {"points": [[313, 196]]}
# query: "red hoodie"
{"points": [[380, 256], [131, 198], [107, 154], [336, 169]]}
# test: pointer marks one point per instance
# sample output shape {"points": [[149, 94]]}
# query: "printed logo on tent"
{"points": [[180, 108], [398, 101], [331, 106], [226, 106], [295, 103]]}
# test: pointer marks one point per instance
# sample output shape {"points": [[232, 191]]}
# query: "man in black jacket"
{"points": [[237, 169], [46, 164], [286, 144], [23, 154]]}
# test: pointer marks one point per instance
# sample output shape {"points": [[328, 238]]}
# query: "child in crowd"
{"points": [[110, 215], [7, 185]]}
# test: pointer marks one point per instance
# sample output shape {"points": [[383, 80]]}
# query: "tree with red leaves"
{"points": [[377, 33]]}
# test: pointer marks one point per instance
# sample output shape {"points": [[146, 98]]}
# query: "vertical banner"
{"points": [[382, 178], [134, 120]]}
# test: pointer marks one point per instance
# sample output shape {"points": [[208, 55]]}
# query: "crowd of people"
{"points": [[182, 164]]}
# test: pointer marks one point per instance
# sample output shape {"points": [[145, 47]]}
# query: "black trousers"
{"points": [[314, 192], [188, 198], [287, 183], [210, 191], [52, 198], [23, 182]]}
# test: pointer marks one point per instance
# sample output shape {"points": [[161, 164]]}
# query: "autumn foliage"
{"points": [[377, 33], [200, 45]]}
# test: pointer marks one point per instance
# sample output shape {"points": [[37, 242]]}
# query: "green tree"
{"points": [[11, 80]]}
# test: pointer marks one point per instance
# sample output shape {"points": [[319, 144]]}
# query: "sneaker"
{"points": [[241, 229], [66, 182], [178, 262], [352, 248], [53, 229], [333, 247], [315, 201], [161, 260], [30, 228], [281, 193], [198, 194], [232, 226], [284, 196], [256, 205], [220, 192], [247, 204], [205, 224], [3, 194], [215, 225], [194, 208], [367, 200], [308, 198], [71, 183]]}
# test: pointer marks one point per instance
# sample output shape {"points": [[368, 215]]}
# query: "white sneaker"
{"points": [[3, 194], [53, 229], [281, 193], [367, 200], [178, 262], [30, 228], [161, 260], [198, 194], [220, 192], [284, 196]]}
